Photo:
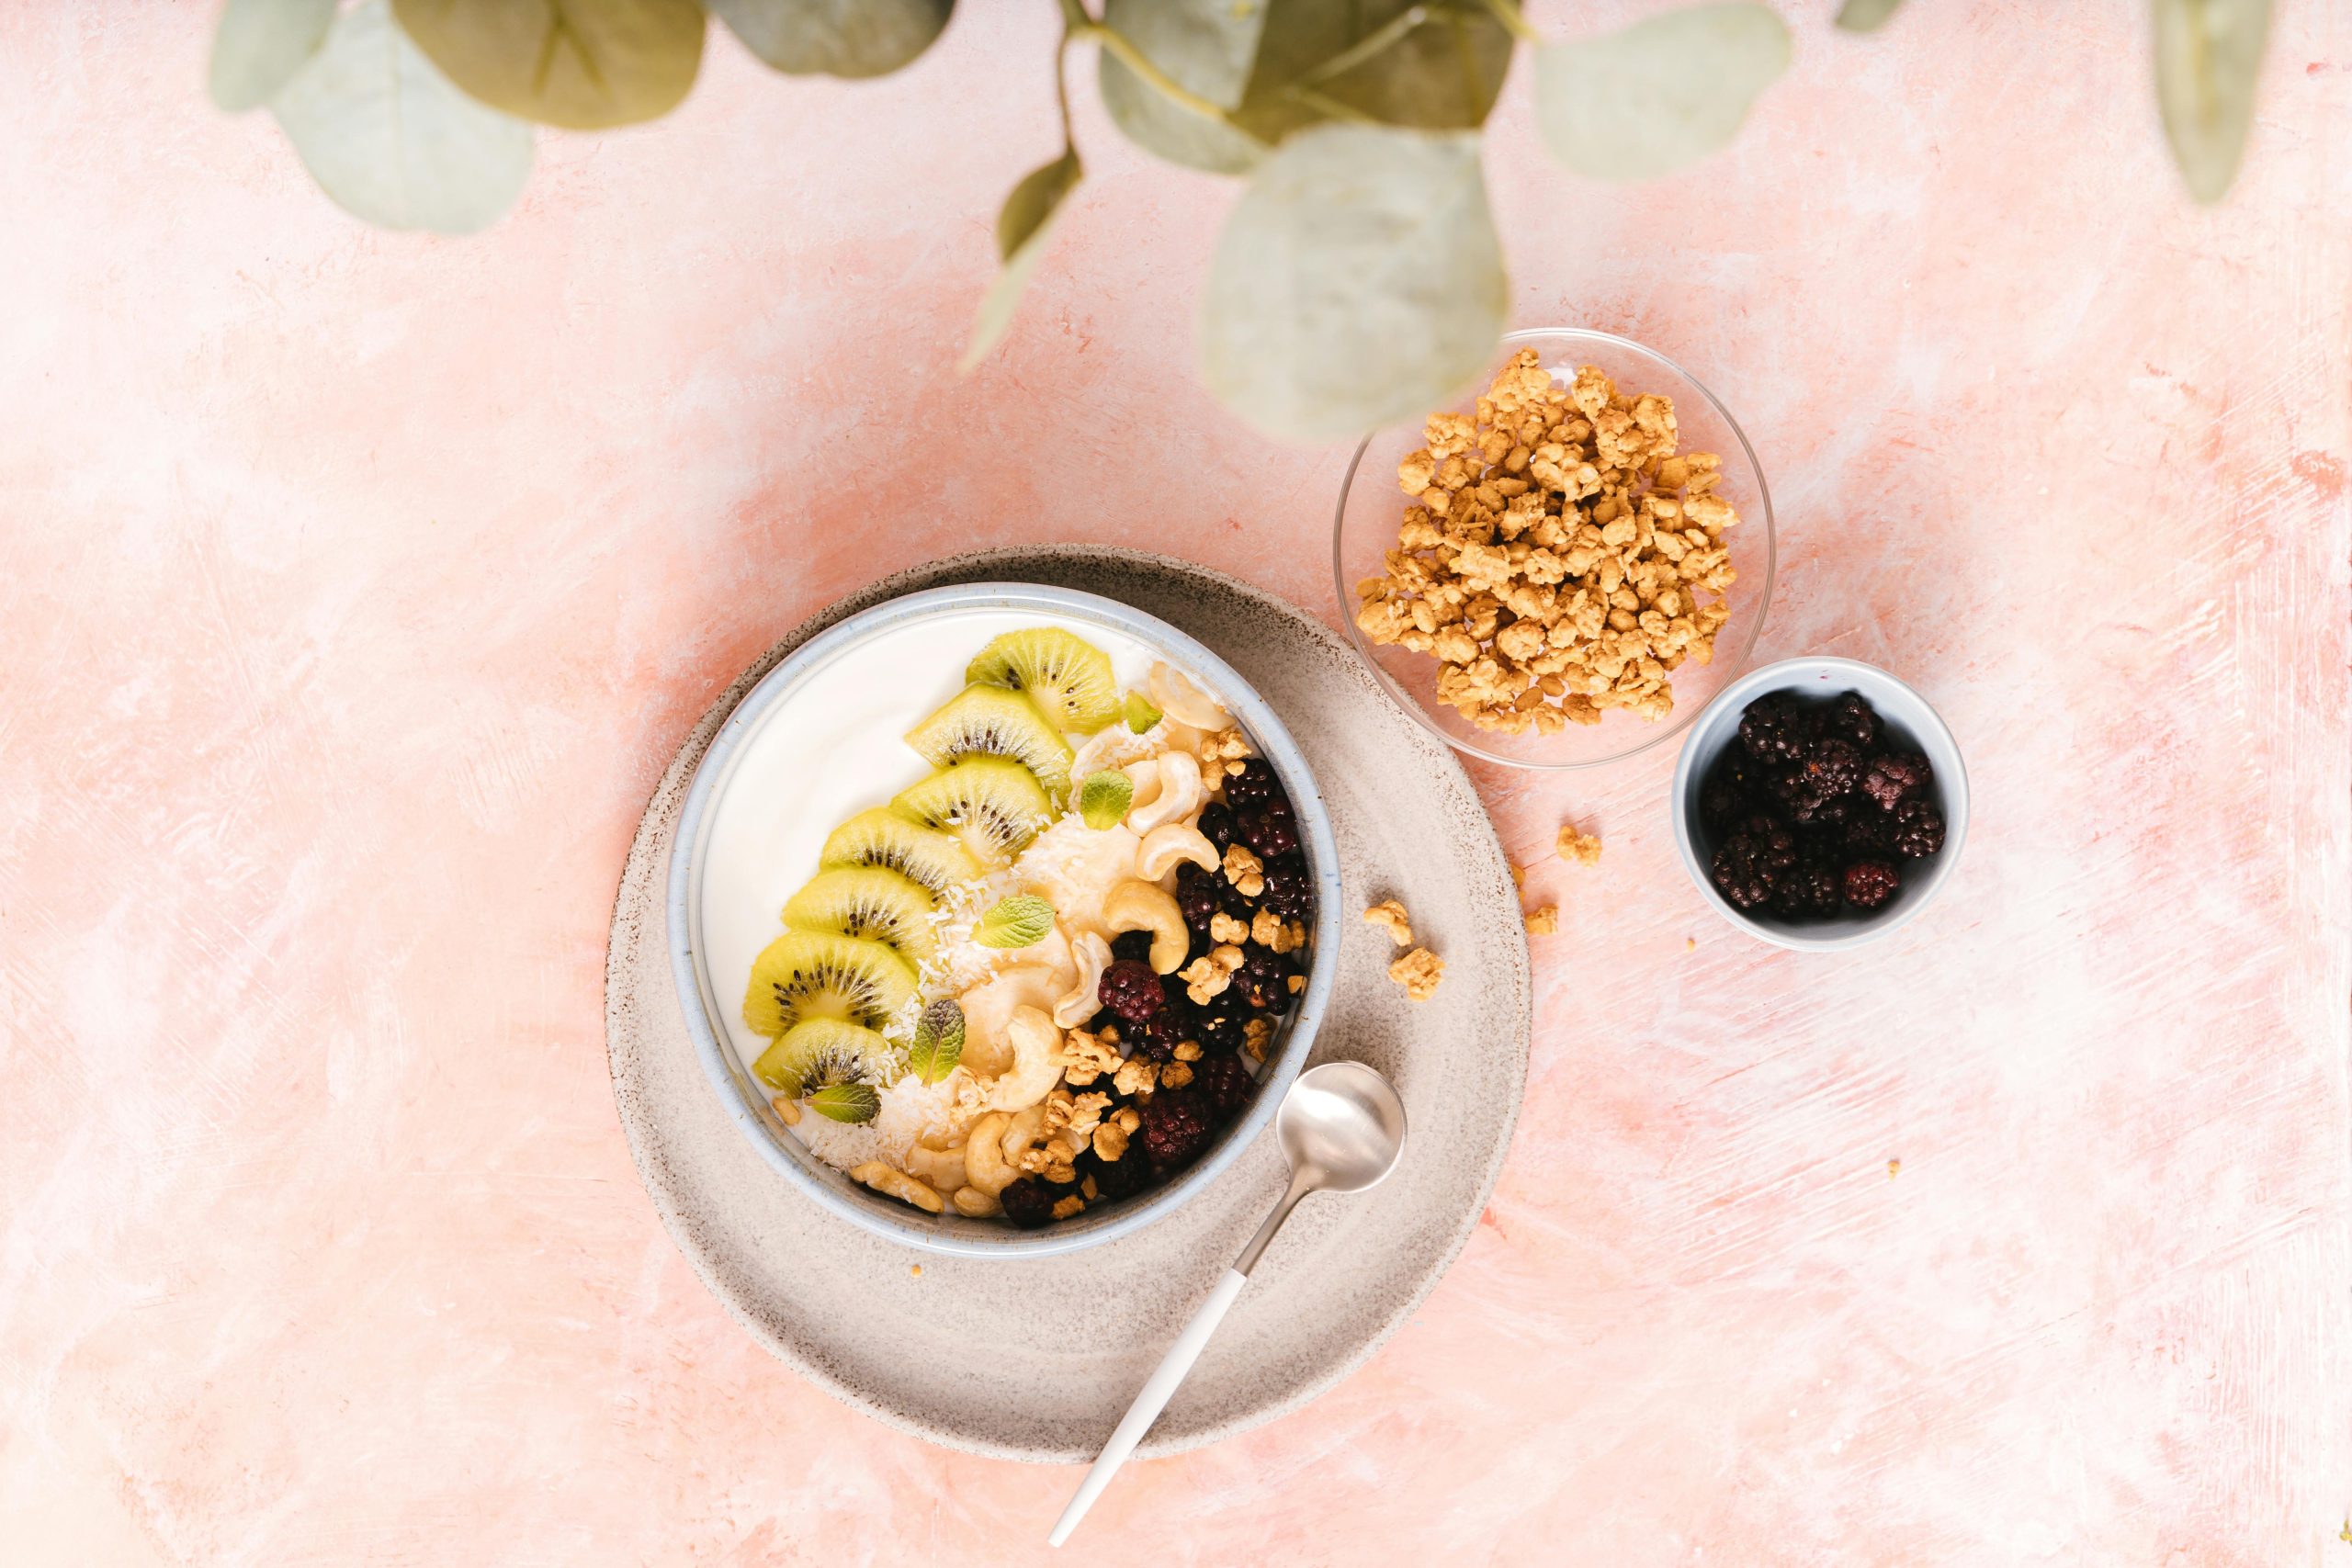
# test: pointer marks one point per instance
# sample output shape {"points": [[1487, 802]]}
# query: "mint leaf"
{"points": [[1103, 798], [1139, 712], [939, 1041], [851, 1103], [1019, 920]]}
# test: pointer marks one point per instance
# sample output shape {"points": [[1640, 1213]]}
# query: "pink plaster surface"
{"points": [[355, 587]]}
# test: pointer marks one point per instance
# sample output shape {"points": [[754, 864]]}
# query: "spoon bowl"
{"points": [[1343, 1126]]}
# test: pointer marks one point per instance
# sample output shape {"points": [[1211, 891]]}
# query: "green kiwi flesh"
{"points": [[806, 974], [895, 841], [871, 902], [989, 721], [994, 805], [1069, 678]]}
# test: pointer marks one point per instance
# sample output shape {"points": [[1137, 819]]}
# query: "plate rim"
{"points": [[645, 865]]}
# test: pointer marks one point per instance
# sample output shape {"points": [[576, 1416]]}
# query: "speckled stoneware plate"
{"points": [[1069, 1339]]}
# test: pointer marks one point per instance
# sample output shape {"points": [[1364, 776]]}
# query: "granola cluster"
{"points": [[1556, 553]]}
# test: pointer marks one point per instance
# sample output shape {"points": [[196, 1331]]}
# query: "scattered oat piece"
{"points": [[1582, 848], [1690, 944], [1544, 921], [1518, 877], [1389, 914], [915, 1269], [1418, 972], [1893, 1168]]}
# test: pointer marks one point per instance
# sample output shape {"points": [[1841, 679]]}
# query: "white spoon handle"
{"points": [[1151, 1401]]}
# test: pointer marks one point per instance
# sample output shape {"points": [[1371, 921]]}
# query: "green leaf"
{"points": [[1017, 922], [1358, 282], [1660, 96], [1024, 230], [835, 38], [1103, 798], [260, 44], [2208, 58], [1866, 16], [851, 1103], [1139, 712], [1206, 46], [391, 141], [939, 1041], [582, 64]]}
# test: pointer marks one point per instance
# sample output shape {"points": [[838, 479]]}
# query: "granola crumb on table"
{"points": [[1582, 848], [1418, 972], [1389, 914], [1554, 553], [1544, 921]]}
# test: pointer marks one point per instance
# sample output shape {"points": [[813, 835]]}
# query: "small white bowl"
{"points": [[1907, 715]]}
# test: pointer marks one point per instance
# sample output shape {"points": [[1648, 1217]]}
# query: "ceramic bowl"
{"points": [[733, 802], [1371, 507], [1910, 722]]}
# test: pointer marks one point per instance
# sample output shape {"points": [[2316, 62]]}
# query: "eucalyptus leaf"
{"points": [[392, 140], [939, 1041], [582, 64], [1103, 798], [1358, 281], [1866, 16], [834, 37], [1661, 94], [2209, 58], [850, 1102], [260, 44], [1024, 230], [1138, 712], [1440, 68], [1204, 46], [1018, 921]]}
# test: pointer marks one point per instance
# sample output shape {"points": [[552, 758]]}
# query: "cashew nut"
{"points": [[1136, 906], [897, 1184], [944, 1168], [1084, 1000], [973, 1204], [1022, 1135], [1036, 1060], [1175, 693], [1180, 795], [984, 1162], [1169, 843], [1094, 753]]}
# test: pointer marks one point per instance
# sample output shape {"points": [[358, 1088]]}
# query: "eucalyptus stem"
{"points": [[1372, 43], [1508, 13]]}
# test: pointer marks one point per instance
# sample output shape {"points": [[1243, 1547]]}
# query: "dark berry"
{"points": [[1132, 990], [1869, 835], [1871, 883], [1830, 768], [1774, 728], [1918, 829], [1224, 1023], [1809, 891], [1216, 825], [1029, 1204], [1752, 861], [1270, 830], [1850, 719], [1896, 778], [1263, 979], [1720, 800], [1116, 1179], [1198, 896], [1168, 1028], [1290, 892], [1134, 946], [1254, 785], [1176, 1128], [1226, 1082]]}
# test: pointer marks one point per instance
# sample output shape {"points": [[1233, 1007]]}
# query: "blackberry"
{"points": [[1168, 1028], [1871, 883], [1224, 1023], [1270, 830], [1290, 892], [1254, 785], [1029, 1204], [1116, 1179], [1263, 979], [1176, 1128], [1896, 777], [1807, 891], [1811, 810], [1216, 825], [1226, 1082], [1869, 835], [1851, 719], [1774, 728], [1752, 861], [1132, 990], [1918, 829], [1133, 946], [1720, 801], [1198, 896], [1830, 768]]}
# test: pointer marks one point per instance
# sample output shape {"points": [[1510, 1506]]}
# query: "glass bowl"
{"points": [[1371, 507]]}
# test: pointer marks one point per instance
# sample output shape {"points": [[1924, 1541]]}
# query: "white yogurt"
{"points": [[830, 748]]}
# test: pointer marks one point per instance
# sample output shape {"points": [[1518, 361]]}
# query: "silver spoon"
{"points": [[1341, 1127]]}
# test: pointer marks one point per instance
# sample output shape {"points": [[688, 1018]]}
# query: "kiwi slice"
{"points": [[819, 1053], [896, 842], [1069, 678], [867, 901], [805, 975], [989, 721], [994, 805]]}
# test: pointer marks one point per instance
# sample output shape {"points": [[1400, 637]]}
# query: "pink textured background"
{"points": [[355, 587]]}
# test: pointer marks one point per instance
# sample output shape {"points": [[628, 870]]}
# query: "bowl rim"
{"points": [[1664, 732], [1954, 781], [700, 1003]]}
